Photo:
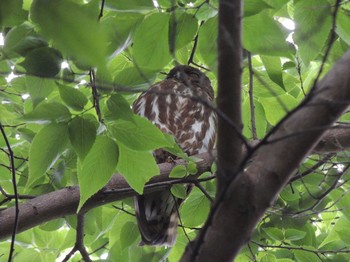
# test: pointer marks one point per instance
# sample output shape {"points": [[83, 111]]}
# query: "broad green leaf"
{"points": [[206, 45], [275, 108], [304, 256], [120, 28], [179, 191], [73, 29], [274, 69], [26, 133], [43, 62], [294, 234], [72, 97], [343, 26], [307, 19], [184, 31], [130, 5], [192, 168], [198, 204], [82, 135], [49, 112], [11, 13], [21, 39], [206, 12], [252, 7], [260, 119], [138, 134], [134, 77], [178, 171], [151, 42], [119, 107], [274, 233], [97, 167], [341, 201], [137, 167], [39, 88], [263, 35], [47, 146], [128, 234]]}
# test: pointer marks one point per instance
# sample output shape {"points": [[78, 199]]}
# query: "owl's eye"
{"points": [[194, 74]]}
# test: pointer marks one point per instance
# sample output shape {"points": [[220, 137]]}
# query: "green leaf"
{"points": [[72, 97], [138, 134], [275, 108], [43, 62], [47, 146], [82, 135], [21, 39], [26, 133], [263, 35], [274, 233], [73, 29], [343, 26], [120, 28], [128, 234], [273, 68], [192, 168], [11, 13], [130, 5], [207, 48], [39, 88], [196, 204], [185, 30], [260, 119], [206, 12], [178, 171], [134, 77], [151, 42], [310, 41], [97, 167], [179, 191], [294, 234], [119, 107], [252, 7], [306, 256], [49, 112], [137, 167]]}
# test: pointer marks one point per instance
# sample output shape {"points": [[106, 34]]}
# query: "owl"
{"points": [[177, 106]]}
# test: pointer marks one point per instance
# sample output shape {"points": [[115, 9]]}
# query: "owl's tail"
{"points": [[157, 218]]}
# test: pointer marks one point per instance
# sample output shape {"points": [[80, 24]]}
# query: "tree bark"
{"points": [[230, 139], [65, 201], [243, 202]]}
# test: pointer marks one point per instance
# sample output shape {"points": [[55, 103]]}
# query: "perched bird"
{"points": [[178, 105]]}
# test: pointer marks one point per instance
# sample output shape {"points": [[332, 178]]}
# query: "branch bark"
{"points": [[239, 208], [65, 201], [229, 144], [334, 140]]}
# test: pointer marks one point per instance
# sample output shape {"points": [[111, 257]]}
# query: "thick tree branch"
{"points": [[334, 140], [65, 201], [229, 144], [241, 205]]}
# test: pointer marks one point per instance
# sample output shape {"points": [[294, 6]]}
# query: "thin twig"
{"points": [[14, 183], [251, 96], [95, 95], [79, 243], [101, 10]]}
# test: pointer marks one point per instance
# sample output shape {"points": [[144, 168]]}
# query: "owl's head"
{"points": [[191, 77]]}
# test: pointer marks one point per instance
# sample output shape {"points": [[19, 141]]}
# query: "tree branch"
{"points": [[65, 201], [229, 145], [244, 201]]}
